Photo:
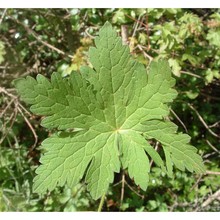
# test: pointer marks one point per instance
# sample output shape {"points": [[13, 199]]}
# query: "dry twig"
{"points": [[191, 74], [203, 121], [211, 198], [140, 22], [179, 120], [124, 34], [196, 183], [18, 108], [30, 31], [215, 149], [122, 188], [209, 172], [3, 15], [138, 194], [136, 26], [31, 128], [144, 53]]}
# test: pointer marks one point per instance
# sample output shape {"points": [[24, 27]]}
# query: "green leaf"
{"points": [[174, 64], [211, 74], [2, 52], [69, 154], [177, 149], [213, 37], [192, 94], [192, 59], [99, 116], [133, 147], [119, 17]]}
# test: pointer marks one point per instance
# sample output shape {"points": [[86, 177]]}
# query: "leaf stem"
{"points": [[101, 203]]}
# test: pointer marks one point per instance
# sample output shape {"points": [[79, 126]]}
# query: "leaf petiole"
{"points": [[101, 202]]}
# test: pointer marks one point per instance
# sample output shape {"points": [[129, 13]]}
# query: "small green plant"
{"points": [[105, 117]]}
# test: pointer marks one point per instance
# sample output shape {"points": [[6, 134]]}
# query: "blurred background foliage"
{"points": [[34, 41]]}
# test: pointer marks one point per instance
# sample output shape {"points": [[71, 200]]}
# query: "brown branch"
{"points": [[5, 109], [122, 188], [215, 149], [209, 172], [31, 128], [136, 26], [209, 96], [144, 53], [214, 125], [146, 28], [34, 34], [138, 194], [191, 74], [179, 120], [3, 15], [203, 121], [116, 184], [136, 20], [17, 108], [12, 119], [88, 34], [124, 34], [148, 34], [196, 183], [3, 90], [211, 198]]}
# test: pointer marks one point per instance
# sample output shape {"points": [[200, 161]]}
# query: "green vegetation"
{"points": [[37, 41], [110, 109]]}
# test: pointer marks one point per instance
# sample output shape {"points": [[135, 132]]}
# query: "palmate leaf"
{"points": [[104, 117]]}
